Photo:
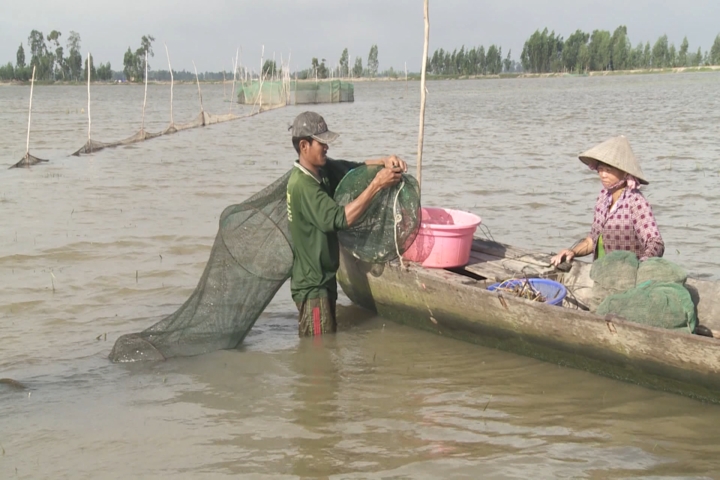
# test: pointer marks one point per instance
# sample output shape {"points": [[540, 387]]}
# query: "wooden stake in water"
{"points": [[89, 67], [202, 110], [423, 91], [233, 98], [142, 128], [171, 86], [27, 144]]}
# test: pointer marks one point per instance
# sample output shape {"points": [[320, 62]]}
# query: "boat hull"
{"points": [[455, 305]]}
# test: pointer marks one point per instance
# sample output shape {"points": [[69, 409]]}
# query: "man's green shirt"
{"points": [[314, 220]]}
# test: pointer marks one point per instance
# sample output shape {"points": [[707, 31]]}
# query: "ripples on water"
{"points": [[97, 246]]}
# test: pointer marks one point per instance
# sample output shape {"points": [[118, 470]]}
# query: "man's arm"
{"points": [[385, 178]]}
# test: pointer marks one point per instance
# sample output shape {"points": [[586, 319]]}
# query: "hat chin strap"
{"points": [[629, 181]]}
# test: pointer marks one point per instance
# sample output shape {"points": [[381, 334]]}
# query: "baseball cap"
{"points": [[310, 124]]}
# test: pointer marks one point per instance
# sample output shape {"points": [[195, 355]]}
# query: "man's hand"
{"points": [[392, 161], [387, 177]]}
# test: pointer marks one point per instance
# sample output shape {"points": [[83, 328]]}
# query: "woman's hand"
{"points": [[567, 254]]}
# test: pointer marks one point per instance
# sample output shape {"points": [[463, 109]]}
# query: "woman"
{"points": [[623, 217]]}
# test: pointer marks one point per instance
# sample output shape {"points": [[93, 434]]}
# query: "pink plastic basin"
{"points": [[444, 239]]}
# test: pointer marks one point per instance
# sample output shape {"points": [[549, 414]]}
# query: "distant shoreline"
{"points": [[415, 77]]}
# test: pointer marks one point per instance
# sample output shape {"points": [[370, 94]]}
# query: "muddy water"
{"points": [[97, 246]]}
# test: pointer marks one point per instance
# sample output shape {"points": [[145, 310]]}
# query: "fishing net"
{"points": [[28, 161], [389, 226], [649, 292], [296, 92], [660, 304], [249, 262], [659, 269]]}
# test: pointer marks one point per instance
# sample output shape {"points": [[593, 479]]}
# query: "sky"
{"points": [[209, 32]]}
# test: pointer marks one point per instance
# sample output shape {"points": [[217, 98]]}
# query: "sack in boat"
{"points": [[661, 270], [659, 304]]}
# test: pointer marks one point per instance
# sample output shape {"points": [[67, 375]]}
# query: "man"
{"points": [[315, 219]]}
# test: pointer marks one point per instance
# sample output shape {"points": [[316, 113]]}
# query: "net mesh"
{"points": [[28, 161], [296, 92], [250, 260], [389, 226], [649, 292]]}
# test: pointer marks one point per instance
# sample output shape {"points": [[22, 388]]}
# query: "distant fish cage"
{"points": [[295, 92]]}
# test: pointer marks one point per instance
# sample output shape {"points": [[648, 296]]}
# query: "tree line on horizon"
{"points": [[600, 50], [543, 52]]}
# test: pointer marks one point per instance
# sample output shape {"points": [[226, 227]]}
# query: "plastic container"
{"points": [[444, 239], [554, 292]]}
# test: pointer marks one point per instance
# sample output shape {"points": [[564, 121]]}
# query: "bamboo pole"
{"points": [[423, 92], [197, 80], [27, 143], [89, 119], [142, 128], [172, 81], [233, 97]]}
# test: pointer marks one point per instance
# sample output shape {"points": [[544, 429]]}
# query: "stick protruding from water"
{"points": [[27, 144]]}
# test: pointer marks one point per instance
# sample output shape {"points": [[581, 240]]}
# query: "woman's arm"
{"points": [[580, 249], [646, 230]]}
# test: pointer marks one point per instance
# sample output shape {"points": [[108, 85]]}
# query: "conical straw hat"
{"points": [[617, 153]]}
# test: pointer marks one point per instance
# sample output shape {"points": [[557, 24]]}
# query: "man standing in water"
{"points": [[315, 219]]}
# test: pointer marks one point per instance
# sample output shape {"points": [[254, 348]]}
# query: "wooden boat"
{"points": [[456, 303]]}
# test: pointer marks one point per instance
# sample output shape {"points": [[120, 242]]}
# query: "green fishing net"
{"points": [[252, 258], [649, 292], [389, 226], [660, 304]]}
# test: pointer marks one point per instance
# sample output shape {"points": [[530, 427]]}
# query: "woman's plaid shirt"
{"points": [[628, 225]]}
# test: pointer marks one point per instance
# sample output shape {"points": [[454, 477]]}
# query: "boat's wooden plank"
{"points": [[502, 250], [501, 268], [706, 296]]}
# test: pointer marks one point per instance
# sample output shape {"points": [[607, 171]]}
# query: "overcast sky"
{"points": [[209, 31]]}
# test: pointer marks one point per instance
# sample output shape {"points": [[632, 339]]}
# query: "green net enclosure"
{"points": [[326, 91], [390, 224], [264, 93], [252, 258]]}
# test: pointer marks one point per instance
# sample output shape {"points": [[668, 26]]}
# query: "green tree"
{"points": [[104, 72], [358, 68], [481, 67], [53, 59], [647, 56], [571, 50], [600, 48], [344, 63], [683, 53], [671, 60], [583, 61], [372, 61], [660, 52], [74, 62], [7, 72], [145, 48], [39, 58], [620, 54], [93, 72], [697, 58], [130, 66], [507, 63], [20, 57], [714, 57], [270, 69]]}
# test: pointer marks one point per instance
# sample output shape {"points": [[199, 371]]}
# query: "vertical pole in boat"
{"points": [[27, 144], [142, 128], [423, 91], [89, 119], [172, 81]]}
